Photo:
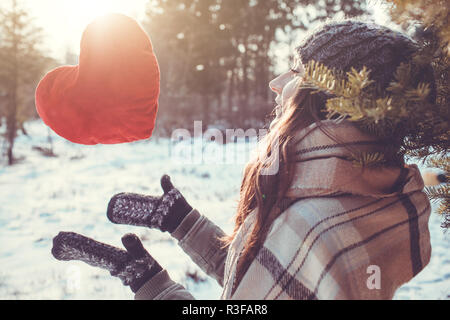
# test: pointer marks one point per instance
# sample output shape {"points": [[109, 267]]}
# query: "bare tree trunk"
{"points": [[11, 127], [206, 110], [11, 118], [244, 89], [231, 96], [218, 98]]}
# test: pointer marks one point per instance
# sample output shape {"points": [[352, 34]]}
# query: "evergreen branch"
{"points": [[437, 193]]}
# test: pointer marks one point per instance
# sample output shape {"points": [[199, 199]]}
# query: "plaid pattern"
{"points": [[339, 223]]}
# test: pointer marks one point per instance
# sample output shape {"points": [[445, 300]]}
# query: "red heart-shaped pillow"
{"points": [[111, 96]]}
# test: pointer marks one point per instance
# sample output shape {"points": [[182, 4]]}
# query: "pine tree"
{"points": [[21, 65], [433, 20]]}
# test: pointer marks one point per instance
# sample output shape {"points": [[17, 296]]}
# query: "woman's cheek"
{"points": [[288, 91]]}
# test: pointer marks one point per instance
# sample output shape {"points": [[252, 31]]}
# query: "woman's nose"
{"points": [[274, 85], [277, 84]]}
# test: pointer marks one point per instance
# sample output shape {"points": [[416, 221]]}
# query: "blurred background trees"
{"points": [[21, 66], [217, 57]]}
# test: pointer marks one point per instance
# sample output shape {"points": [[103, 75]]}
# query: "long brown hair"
{"points": [[266, 191]]}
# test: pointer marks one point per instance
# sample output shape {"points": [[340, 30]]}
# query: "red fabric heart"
{"points": [[111, 96]]}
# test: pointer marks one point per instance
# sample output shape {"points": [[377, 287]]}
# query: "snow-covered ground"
{"points": [[42, 196]]}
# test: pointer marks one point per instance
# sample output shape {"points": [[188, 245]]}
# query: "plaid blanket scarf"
{"points": [[348, 233]]}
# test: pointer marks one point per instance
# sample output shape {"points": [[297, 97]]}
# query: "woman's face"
{"points": [[284, 86]]}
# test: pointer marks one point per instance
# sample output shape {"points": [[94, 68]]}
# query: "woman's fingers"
{"points": [[131, 208], [73, 246], [61, 247]]}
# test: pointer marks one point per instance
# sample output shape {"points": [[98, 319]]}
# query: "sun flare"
{"points": [[87, 10], [65, 20]]}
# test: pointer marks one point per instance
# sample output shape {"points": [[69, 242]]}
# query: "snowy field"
{"points": [[44, 195]]}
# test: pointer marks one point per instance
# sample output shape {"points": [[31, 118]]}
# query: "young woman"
{"points": [[317, 228]]}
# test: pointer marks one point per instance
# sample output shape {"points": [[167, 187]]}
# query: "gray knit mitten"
{"points": [[134, 267], [164, 213]]}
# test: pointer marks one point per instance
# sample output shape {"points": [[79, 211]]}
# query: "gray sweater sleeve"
{"points": [[198, 237], [161, 287]]}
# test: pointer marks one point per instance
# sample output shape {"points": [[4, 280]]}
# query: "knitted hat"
{"points": [[352, 43], [112, 95]]}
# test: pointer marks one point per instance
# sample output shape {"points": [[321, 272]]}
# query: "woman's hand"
{"points": [[164, 213], [134, 266]]}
